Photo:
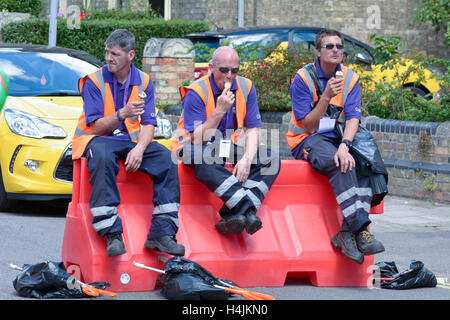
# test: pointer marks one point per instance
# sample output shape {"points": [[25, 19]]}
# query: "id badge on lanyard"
{"points": [[225, 148]]}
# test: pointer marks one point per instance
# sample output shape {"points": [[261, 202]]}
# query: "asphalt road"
{"points": [[409, 229]]}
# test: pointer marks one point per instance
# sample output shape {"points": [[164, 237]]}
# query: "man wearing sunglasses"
{"points": [[312, 137], [220, 124]]}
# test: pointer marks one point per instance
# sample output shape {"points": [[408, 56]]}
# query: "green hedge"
{"points": [[26, 6], [92, 34]]}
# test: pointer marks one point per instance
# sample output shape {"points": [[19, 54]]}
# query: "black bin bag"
{"points": [[188, 286], [48, 280], [185, 279], [416, 277], [45, 280]]}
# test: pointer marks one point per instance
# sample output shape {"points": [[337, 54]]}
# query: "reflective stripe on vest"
{"points": [[203, 88], [83, 133], [296, 133]]}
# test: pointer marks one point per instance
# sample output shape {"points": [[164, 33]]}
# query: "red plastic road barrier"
{"points": [[299, 215]]}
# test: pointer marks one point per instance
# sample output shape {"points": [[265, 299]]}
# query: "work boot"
{"points": [[252, 223], [235, 224], [167, 244], [220, 226], [231, 224], [114, 244], [345, 240], [367, 243]]}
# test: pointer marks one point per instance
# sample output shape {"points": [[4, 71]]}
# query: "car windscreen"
{"points": [[261, 42], [42, 73]]}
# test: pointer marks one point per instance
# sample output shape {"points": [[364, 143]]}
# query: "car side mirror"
{"points": [[364, 57]]}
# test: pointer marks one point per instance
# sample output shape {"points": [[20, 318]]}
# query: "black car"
{"points": [[296, 36]]}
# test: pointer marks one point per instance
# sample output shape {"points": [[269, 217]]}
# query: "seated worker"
{"points": [[118, 99], [310, 138], [216, 109]]}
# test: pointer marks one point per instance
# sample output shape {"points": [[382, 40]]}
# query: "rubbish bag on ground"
{"points": [[416, 277], [188, 286], [47, 280], [185, 279]]}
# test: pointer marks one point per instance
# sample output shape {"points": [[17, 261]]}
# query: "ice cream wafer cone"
{"points": [[227, 85], [142, 95], [339, 75]]}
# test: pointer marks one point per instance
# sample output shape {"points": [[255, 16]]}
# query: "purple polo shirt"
{"points": [[194, 110], [93, 102], [301, 101]]}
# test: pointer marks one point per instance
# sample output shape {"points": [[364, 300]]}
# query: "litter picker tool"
{"points": [[217, 283]]}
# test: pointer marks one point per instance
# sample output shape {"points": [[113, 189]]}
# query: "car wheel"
{"points": [[418, 91], [4, 202]]}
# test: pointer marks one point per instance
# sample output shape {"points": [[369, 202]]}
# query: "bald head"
{"points": [[224, 60], [225, 52]]}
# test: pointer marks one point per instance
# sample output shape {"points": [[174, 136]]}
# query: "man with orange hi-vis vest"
{"points": [[118, 122], [311, 136], [220, 124]]}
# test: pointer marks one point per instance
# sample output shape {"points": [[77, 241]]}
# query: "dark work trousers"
{"points": [[237, 198], [102, 155], [353, 193]]}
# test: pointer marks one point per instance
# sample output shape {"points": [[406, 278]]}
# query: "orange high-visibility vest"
{"points": [[296, 133], [83, 133], [203, 88]]}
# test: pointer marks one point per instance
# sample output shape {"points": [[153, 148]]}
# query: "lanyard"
{"points": [[125, 94]]}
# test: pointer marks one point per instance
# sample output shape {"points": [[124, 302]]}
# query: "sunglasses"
{"points": [[330, 46], [225, 70]]}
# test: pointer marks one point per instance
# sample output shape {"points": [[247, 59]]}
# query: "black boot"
{"points": [[231, 224], [167, 244], [367, 243], [345, 240], [252, 223], [114, 244]]}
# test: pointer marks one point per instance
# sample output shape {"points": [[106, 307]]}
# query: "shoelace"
{"points": [[366, 235]]}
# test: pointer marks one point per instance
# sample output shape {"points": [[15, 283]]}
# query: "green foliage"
{"points": [[396, 99], [119, 14], [33, 7], [437, 12], [92, 33], [272, 77]]}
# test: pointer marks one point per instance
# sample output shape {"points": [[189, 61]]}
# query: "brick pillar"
{"points": [[168, 62]]}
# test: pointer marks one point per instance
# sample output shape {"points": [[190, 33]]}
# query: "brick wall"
{"points": [[358, 19], [417, 155], [169, 63]]}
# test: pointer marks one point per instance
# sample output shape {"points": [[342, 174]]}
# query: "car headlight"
{"points": [[27, 125], [164, 128]]}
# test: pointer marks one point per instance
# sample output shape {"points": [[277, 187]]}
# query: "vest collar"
{"points": [[322, 76], [216, 91]]}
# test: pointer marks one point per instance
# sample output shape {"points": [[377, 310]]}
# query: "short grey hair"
{"points": [[218, 51], [122, 38]]}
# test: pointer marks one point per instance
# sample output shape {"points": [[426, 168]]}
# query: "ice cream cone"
{"points": [[142, 96]]}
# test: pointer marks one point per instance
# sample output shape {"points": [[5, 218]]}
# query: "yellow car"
{"points": [[299, 37], [39, 118]]}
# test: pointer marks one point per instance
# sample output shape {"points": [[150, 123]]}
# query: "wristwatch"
{"points": [[348, 143]]}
